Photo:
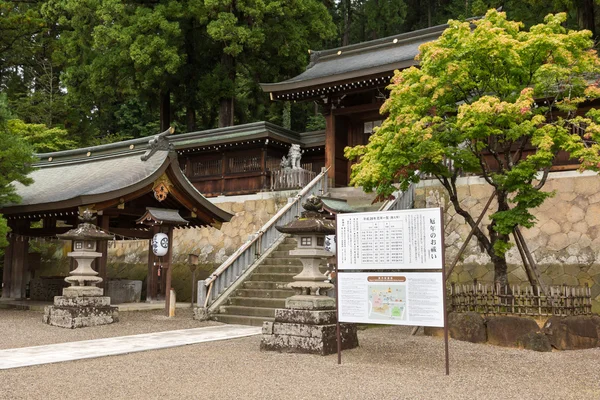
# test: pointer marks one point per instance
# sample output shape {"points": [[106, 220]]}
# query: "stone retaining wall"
{"points": [[565, 242]]}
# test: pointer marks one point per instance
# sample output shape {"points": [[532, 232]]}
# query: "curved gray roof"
{"points": [[375, 57], [78, 180]]}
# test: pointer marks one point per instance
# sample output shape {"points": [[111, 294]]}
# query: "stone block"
{"points": [[79, 317], [572, 333], [97, 301], [535, 341], [201, 314], [468, 327], [305, 330], [323, 345], [124, 291], [592, 215], [319, 317], [82, 291], [267, 328], [310, 303], [550, 227], [433, 331], [507, 330]]}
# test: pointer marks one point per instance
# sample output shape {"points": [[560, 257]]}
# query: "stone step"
{"points": [[248, 311], [241, 319], [272, 277], [253, 285], [282, 269], [282, 261], [279, 254], [256, 302], [264, 293], [287, 247]]}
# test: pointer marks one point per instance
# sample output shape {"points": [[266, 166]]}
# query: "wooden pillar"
{"points": [[223, 171], [7, 274], [102, 247], [169, 266], [263, 166], [151, 279], [18, 270], [330, 147]]}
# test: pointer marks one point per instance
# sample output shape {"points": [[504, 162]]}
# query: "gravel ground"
{"points": [[390, 364], [25, 328]]}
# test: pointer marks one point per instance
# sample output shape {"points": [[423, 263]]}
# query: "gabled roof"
{"points": [[371, 63], [106, 175]]}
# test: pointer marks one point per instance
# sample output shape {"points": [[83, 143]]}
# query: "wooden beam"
{"points": [[102, 247], [330, 147], [152, 278], [8, 265], [358, 109], [169, 264], [132, 233], [131, 196]]}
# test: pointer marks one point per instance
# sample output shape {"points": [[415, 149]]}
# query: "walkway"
{"points": [[27, 356]]}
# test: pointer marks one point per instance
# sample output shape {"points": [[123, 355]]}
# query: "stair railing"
{"points": [[404, 200], [227, 273]]}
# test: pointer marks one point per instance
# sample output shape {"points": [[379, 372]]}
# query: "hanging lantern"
{"points": [[160, 244]]}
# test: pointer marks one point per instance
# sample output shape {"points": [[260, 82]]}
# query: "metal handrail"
{"points": [[229, 271]]}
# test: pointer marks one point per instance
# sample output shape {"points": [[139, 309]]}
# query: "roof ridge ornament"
{"points": [[158, 142]]}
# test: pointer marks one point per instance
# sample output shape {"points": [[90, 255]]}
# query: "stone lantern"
{"points": [[308, 322], [82, 304]]}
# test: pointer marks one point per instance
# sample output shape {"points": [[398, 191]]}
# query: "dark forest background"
{"points": [[83, 72]]}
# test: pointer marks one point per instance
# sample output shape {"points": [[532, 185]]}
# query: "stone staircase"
{"points": [[264, 291]]}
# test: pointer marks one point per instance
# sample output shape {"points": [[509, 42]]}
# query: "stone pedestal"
{"points": [[80, 311], [306, 331]]}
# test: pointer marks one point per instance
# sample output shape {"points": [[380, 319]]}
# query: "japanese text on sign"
{"points": [[407, 239]]}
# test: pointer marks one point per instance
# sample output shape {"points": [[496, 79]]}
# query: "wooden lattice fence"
{"points": [[521, 300]]}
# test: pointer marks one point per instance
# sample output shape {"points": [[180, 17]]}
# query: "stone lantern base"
{"points": [[80, 308], [306, 331]]}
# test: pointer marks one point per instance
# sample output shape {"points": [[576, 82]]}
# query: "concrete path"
{"points": [[27, 356]]}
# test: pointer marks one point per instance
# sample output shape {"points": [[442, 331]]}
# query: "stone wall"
{"points": [[565, 241]]}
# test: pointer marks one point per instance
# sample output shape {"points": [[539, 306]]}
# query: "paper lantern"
{"points": [[160, 244]]}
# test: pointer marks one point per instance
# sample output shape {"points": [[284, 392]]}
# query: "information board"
{"points": [[396, 298], [406, 239]]}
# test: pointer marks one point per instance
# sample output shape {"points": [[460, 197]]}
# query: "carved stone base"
{"points": [[306, 331], [79, 312], [304, 302]]}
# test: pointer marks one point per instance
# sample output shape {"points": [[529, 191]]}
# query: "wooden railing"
{"points": [[285, 179], [521, 300], [227, 273]]}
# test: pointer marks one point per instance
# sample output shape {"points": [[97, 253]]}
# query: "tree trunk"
{"points": [[585, 15], [226, 103], [190, 116], [165, 110], [347, 22]]}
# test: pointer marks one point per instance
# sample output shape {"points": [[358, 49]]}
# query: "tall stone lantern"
{"points": [[83, 303], [308, 322]]}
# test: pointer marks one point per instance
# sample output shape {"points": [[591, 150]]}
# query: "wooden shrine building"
{"points": [[350, 84], [136, 189]]}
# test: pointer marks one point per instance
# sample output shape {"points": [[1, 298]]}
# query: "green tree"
{"points": [[16, 158], [496, 90]]}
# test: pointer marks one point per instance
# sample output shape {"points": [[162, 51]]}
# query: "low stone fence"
{"points": [[561, 333], [489, 299]]}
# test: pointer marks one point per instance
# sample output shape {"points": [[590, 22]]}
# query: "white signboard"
{"points": [[406, 239], [391, 298]]}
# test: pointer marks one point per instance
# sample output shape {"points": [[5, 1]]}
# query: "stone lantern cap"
{"points": [[86, 230], [310, 221]]}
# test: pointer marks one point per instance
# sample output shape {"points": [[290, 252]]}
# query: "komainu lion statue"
{"points": [[293, 158]]}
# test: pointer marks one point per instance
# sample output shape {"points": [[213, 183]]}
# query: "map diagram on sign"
{"points": [[387, 302]]}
